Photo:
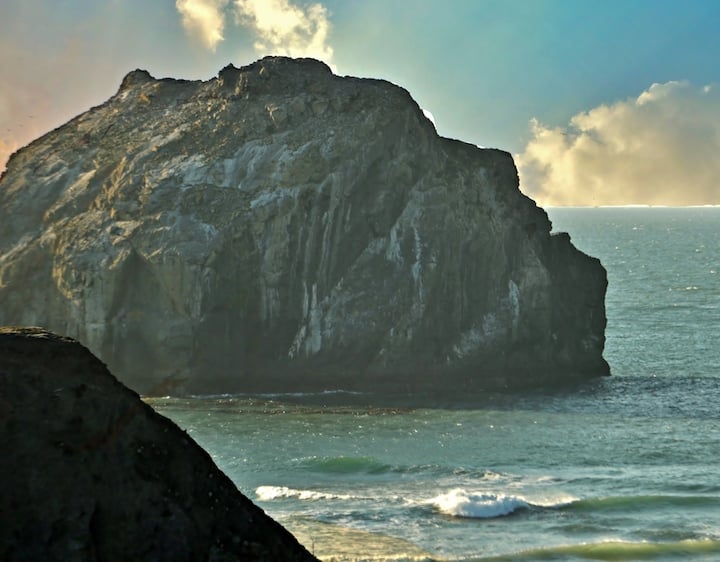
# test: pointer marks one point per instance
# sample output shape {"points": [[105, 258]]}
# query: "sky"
{"points": [[601, 102]]}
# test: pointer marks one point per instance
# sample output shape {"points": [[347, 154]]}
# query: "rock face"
{"points": [[90, 473], [280, 227]]}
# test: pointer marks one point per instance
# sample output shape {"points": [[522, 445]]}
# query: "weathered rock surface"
{"points": [[91, 473], [280, 227]]}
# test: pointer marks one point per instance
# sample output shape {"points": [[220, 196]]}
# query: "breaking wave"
{"points": [[268, 493], [486, 505], [460, 503]]}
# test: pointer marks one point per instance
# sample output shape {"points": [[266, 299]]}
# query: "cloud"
{"points": [[286, 29], [282, 28], [659, 148], [203, 20], [427, 113]]}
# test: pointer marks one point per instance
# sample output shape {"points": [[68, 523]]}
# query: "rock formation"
{"points": [[89, 472], [281, 227]]}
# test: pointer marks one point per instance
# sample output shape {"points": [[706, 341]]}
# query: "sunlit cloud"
{"points": [[659, 148], [203, 20], [280, 27], [427, 113], [286, 29]]}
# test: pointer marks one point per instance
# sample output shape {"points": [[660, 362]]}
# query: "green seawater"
{"points": [[620, 468]]}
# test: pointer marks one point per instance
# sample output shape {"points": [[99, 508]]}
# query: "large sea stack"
{"points": [[90, 473], [283, 228]]}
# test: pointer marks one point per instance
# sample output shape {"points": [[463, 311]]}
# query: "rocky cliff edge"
{"points": [[89, 472]]}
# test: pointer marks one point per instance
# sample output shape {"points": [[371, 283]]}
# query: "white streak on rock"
{"points": [[308, 338], [514, 300], [417, 265], [393, 253], [267, 197]]}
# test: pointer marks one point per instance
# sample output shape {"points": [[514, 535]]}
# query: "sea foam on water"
{"points": [[461, 503], [267, 493]]}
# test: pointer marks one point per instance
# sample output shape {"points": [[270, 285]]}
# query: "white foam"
{"points": [[461, 503], [268, 493]]}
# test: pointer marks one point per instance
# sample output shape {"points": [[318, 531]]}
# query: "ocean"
{"points": [[620, 468]]}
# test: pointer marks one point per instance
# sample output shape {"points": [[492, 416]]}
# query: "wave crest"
{"points": [[461, 503], [268, 493]]}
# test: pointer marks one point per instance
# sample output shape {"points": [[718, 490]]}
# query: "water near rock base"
{"points": [[621, 468]]}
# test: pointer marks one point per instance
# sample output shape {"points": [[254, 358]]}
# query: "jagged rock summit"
{"points": [[283, 228], [90, 473]]}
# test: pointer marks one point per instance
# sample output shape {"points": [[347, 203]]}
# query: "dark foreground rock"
{"points": [[282, 228], [88, 472]]}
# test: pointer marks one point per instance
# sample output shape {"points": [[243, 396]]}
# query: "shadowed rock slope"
{"points": [[282, 228], [91, 473]]}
